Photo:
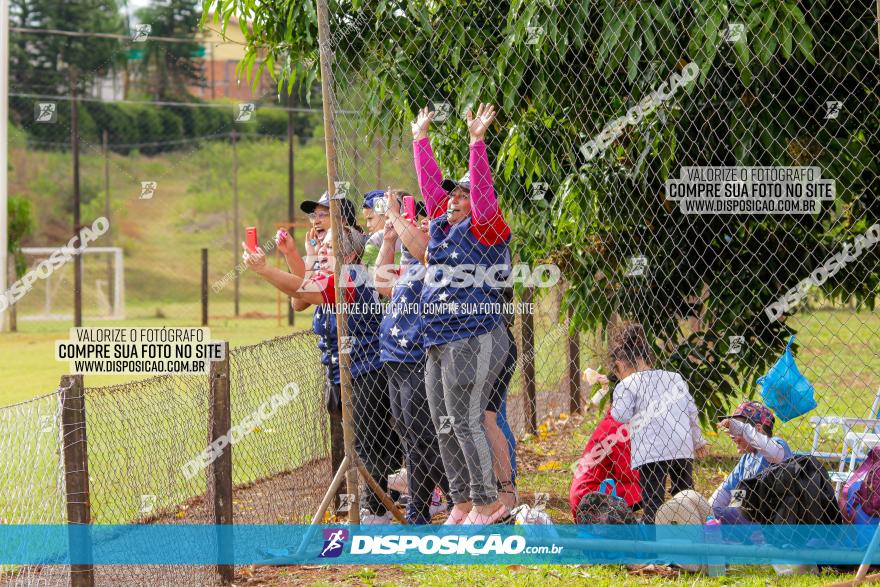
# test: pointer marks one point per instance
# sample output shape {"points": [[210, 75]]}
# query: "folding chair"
{"points": [[860, 435]]}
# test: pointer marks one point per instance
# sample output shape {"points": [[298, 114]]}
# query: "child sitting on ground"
{"points": [[751, 429], [661, 416], [606, 456]]}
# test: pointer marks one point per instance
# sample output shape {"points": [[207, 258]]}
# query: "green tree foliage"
{"points": [[759, 100], [21, 224], [41, 63], [169, 68]]}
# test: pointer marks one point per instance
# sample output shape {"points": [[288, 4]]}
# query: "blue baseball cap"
{"points": [[348, 213], [370, 197]]}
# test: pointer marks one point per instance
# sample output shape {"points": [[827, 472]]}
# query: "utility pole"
{"points": [[74, 143], [290, 184], [110, 281], [4, 153], [235, 244]]}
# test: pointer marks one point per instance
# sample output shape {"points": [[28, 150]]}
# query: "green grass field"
{"points": [[162, 239]]}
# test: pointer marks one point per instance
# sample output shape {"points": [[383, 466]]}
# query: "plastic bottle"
{"points": [[593, 377], [712, 533]]}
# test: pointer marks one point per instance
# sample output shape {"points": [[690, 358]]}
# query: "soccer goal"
{"points": [[103, 286]]}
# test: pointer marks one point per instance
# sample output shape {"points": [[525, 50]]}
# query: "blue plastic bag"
{"points": [[785, 390]]}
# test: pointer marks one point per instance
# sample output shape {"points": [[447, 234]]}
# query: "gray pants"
{"points": [[409, 406], [459, 377]]}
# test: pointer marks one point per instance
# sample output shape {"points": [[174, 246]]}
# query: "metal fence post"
{"points": [[76, 475], [220, 471], [574, 366], [204, 287], [527, 335]]}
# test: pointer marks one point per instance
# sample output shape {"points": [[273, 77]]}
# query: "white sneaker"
{"points": [[437, 504], [397, 481], [370, 519]]}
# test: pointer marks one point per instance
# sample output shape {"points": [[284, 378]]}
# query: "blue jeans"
{"points": [[501, 418]]}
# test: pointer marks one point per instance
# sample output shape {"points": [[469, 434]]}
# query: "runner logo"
{"points": [[832, 109], [45, 112], [246, 112], [541, 501], [148, 189], [334, 541], [637, 267], [345, 502], [446, 423], [736, 344], [442, 111]]}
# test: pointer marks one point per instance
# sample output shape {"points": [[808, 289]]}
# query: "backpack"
{"points": [[600, 508], [868, 495], [785, 390], [795, 491]]}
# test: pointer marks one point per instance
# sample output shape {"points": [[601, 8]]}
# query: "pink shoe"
{"points": [[456, 516], [499, 516]]}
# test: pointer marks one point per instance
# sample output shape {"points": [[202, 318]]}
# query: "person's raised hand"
{"points": [[389, 234], [255, 260], [422, 122], [312, 244], [393, 200], [284, 242], [477, 125]]}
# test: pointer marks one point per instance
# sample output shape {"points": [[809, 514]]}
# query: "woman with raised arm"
{"points": [[403, 357], [375, 442], [464, 332]]}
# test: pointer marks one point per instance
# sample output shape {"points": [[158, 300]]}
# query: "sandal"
{"points": [[509, 488], [499, 516], [456, 516]]}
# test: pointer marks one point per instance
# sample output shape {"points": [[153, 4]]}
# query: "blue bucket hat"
{"points": [[370, 197]]}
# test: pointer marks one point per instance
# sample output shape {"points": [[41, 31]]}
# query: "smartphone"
{"points": [[409, 207], [250, 238]]}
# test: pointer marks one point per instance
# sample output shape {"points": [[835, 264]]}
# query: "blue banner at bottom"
{"points": [[397, 544]]}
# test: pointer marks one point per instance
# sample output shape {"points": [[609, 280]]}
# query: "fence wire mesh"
{"points": [[702, 175], [280, 470], [611, 123], [32, 479], [144, 443]]}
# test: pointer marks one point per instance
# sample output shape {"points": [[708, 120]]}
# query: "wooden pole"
{"points": [[866, 560], [290, 185], [111, 282], [204, 287], [220, 472], [13, 311], [386, 501], [74, 144], [528, 371], [336, 224], [4, 147], [236, 246], [278, 291], [76, 474], [855, 581], [575, 404]]}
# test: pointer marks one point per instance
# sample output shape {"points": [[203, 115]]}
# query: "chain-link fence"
{"points": [[702, 177], [145, 441], [32, 481]]}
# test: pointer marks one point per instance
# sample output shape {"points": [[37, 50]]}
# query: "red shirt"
{"points": [[606, 456]]}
